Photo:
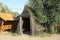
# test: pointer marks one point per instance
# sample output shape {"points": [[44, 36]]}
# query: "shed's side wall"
{"points": [[36, 27]]}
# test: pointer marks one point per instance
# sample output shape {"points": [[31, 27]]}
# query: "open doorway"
{"points": [[26, 26]]}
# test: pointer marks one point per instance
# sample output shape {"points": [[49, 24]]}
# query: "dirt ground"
{"points": [[27, 37]]}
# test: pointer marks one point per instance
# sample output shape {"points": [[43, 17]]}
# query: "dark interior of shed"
{"points": [[26, 26]]}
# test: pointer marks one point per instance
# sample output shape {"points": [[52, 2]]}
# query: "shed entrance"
{"points": [[26, 25]]}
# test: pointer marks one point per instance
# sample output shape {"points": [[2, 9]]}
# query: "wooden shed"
{"points": [[7, 22], [27, 23]]}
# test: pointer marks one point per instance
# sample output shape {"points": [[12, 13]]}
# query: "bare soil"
{"points": [[9, 36]]}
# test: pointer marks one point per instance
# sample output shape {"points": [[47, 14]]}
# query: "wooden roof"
{"points": [[6, 16], [25, 12]]}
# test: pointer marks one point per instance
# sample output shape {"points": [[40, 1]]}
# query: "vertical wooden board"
{"points": [[32, 25], [21, 31], [19, 26]]}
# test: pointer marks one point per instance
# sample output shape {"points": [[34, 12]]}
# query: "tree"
{"points": [[5, 9], [38, 7], [47, 11]]}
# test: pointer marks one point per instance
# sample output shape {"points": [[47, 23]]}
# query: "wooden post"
{"points": [[2, 24], [1, 28], [21, 31], [19, 27], [32, 25]]}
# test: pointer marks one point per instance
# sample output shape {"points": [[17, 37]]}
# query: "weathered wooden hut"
{"points": [[27, 23], [7, 22]]}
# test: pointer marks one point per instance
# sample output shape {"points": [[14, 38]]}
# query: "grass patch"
{"points": [[15, 34], [42, 34]]}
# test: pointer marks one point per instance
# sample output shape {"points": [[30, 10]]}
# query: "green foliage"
{"points": [[47, 11], [5, 9], [37, 5]]}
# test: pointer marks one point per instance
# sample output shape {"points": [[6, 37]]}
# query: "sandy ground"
{"points": [[27, 37]]}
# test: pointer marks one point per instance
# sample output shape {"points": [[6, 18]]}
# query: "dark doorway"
{"points": [[26, 25]]}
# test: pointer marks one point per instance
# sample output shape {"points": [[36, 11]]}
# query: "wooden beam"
{"points": [[2, 23], [21, 22], [19, 27], [32, 25], [1, 28]]}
